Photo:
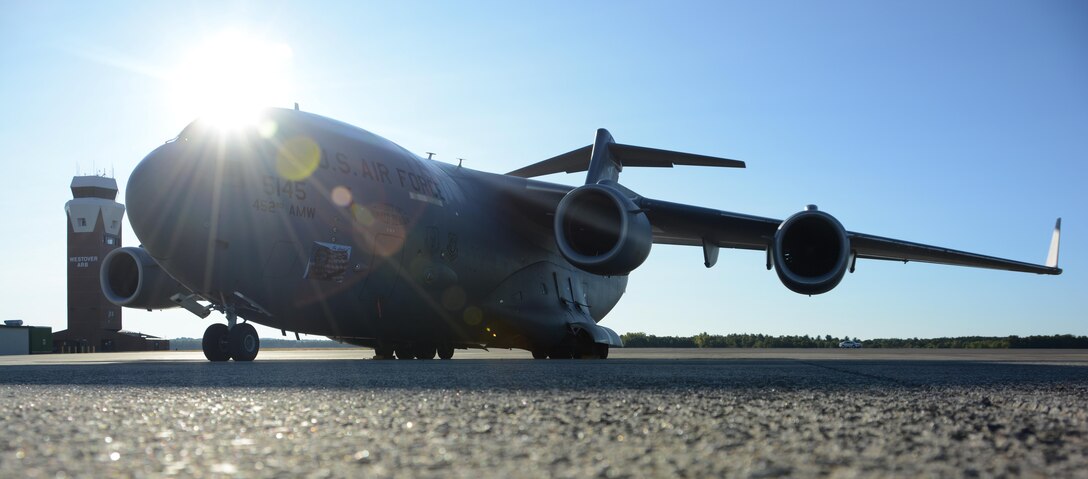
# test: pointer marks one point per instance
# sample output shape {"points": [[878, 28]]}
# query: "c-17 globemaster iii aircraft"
{"points": [[307, 224]]}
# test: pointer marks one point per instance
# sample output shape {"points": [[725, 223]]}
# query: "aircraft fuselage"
{"points": [[310, 225]]}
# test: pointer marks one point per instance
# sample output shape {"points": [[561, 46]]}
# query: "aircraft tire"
{"points": [[445, 352], [404, 352], [584, 347], [383, 351], [216, 343], [539, 354], [601, 351], [561, 352], [244, 343], [425, 351]]}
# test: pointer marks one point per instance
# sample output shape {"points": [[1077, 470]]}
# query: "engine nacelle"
{"points": [[131, 278], [600, 230], [811, 252]]}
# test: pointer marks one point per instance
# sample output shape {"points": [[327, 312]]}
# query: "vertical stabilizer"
{"points": [[602, 165]]}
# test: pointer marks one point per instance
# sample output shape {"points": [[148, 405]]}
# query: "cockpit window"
{"points": [[206, 128], [190, 131]]}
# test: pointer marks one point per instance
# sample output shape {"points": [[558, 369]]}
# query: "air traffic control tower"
{"points": [[94, 229]]}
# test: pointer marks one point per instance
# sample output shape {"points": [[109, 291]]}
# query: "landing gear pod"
{"points": [[811, 252]]}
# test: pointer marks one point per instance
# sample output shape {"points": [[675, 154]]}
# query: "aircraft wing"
{"points": [[876, 247], [681, 224], [811, 248]]}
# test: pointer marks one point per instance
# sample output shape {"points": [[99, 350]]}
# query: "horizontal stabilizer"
{"points": [[627, 155], [655, 158]]}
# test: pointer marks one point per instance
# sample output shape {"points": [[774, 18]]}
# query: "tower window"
{"points": [[82, 221]]}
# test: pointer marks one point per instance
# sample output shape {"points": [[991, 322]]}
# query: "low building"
{"points": [[25, 340], [107, 341]]}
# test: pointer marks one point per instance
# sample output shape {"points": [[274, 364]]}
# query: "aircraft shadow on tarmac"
{"points": [[513, 375]]}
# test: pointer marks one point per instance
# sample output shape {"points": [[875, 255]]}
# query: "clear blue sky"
{"points": [[962, 124]]}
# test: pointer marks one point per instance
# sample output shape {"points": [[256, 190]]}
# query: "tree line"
{"points": [[704, 340]]}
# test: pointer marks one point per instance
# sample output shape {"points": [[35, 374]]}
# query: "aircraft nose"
{"points": [[168, 202]]}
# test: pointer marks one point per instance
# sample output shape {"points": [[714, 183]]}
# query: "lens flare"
{"points": [[297, 158], [341, 196], [473, 316], [362, 215], [453, 298], [267, 128]]}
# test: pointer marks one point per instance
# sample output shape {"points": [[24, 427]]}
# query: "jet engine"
{"points": [[811, 252], [131, 278], [601, 231]]}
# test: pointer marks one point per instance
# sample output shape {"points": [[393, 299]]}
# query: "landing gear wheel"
{"points": [[425, 351], [404, 352], [540, 354], [244, 343], [216, 343], [566, 349], [601, 350], [445, 352], [561, 352], [584, 347], [383, 351]]}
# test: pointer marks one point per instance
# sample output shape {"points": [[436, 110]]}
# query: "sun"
{"points": [[228, 77]]}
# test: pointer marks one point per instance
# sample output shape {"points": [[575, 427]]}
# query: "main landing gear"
{"points": [[578, 346], [412, 351], [223, 342]]}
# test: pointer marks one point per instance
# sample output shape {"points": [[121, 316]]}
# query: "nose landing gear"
{"points": [[238, 341], [216, 342], [244, 343]]}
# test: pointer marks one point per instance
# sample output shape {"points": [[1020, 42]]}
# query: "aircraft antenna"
{"points": [[459, 161], [429, 154], [296, 106]]}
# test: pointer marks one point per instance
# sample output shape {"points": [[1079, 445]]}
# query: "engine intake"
{"points": [[811, 252], [601, 231], [131, 278]]}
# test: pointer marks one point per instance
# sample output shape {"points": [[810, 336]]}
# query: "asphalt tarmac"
{"points": [[640, 413]]}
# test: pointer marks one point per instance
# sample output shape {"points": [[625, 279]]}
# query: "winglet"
{"points": [[1052, 256]]}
